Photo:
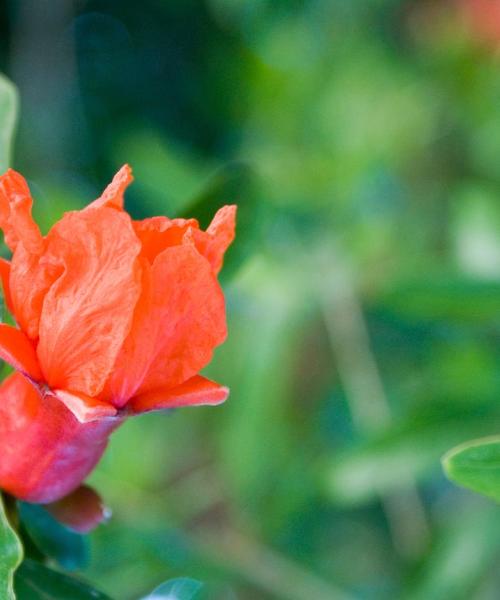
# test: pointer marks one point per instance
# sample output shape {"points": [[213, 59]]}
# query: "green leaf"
{"points": [[233, 183], [359, 473], [8, 119], [182, 588], [54, 540], [11, 554], [445, 297], [466, 549], [476, 466], [35, 581]]}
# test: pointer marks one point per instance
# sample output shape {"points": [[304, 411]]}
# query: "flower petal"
{"points": [[158, 233], [5, 277], [214, 242], [87, 312], [17, 350], [30, 279], [134, 359], [189, 312], [84, 407], [82, 510], [15, 213], [112, 197], [179, 321], [196, 391]]}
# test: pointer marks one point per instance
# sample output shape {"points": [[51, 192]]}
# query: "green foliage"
{"points": [[30, 579], [54, 540], [476, 465], [446, 296], [468, 544], [8, 118], [11, 554], [176, 589], [233, 183], [35, 581]]}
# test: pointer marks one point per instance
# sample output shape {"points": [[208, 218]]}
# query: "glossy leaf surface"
{"points": [[182, 588], [35, 581], [10, 554], [476, 466], [54, 540]]}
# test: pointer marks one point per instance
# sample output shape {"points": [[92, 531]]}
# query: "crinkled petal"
{"points": [[17, 350], [214, 242], [133, 362], [178, 322], [113, 195], [196, 391], [5, 277], [29, 279], [158, 233], [189, 312], [84, 407], [87, 312], [15, 213]]}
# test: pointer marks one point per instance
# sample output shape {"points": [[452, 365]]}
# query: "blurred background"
{"points": [[361, 141]]}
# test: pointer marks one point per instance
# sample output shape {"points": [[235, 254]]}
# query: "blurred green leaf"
{"points": [[466, 549], [413, 449], [54, 540], [8, 118], [182, 588], [35, 581], [11, 554], [166, 175], [259, 410], [476, 466], [231, 184], [446, 297]]}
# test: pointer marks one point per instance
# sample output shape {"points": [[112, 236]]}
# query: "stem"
{"points": [[227, 547], [11, 511], [370, 409], [266, 568]]}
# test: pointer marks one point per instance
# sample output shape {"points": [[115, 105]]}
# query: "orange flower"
{"points": [[115, 317]]}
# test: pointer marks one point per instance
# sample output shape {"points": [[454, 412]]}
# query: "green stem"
{"points": [[11, 510]]}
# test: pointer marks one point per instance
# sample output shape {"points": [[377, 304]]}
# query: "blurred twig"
{"points": [[269, 570], [227, 547], [371, 414]]}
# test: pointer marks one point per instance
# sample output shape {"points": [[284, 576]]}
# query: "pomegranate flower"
{"points": [[115, 317]]}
